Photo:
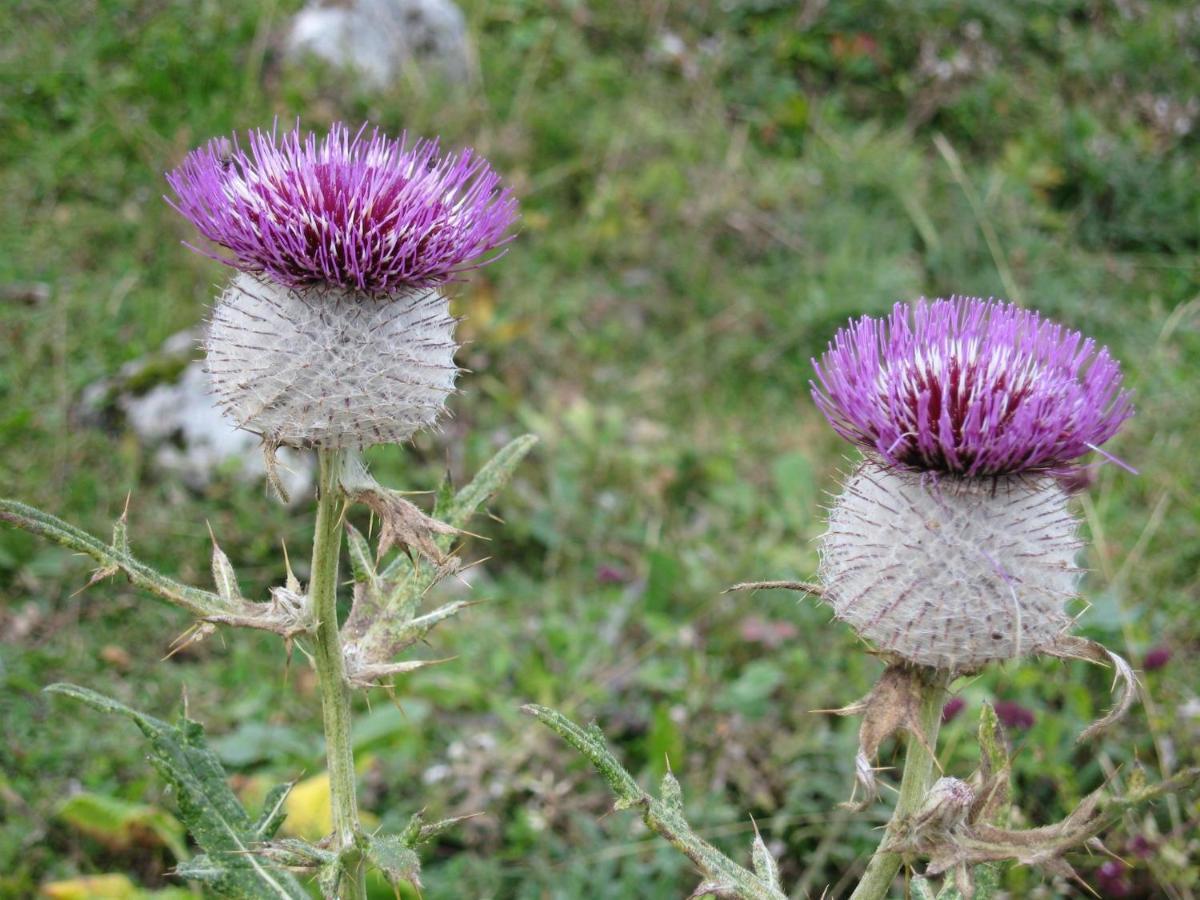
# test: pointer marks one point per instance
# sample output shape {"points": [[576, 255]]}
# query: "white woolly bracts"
{"points": [[947, 571], [330, 367]]}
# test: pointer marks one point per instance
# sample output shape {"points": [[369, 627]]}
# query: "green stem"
{"points": [[331, 672], [914, 785]]}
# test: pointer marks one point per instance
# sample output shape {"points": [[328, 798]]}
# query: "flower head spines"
{"points": [[357, 211], [953, 572], [970, 386], [330, 368]]}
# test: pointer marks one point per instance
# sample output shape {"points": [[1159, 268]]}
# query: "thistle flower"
{"points": [[953, 545], [970, 387], [336, 332]]}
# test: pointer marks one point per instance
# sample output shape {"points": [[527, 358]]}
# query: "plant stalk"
{"points": [[331, 673], [914, 785]]}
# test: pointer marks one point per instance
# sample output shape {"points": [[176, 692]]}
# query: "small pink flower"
{"points": [[1014, 715], [953, 707], [1157, 658], [1141, 846], [606, 574], [1111, 879]]}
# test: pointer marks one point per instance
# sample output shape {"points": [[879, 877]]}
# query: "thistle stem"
{"points": [[914, 785], [331, 673]]}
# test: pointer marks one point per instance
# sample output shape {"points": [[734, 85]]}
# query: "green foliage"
{"points": [[665, 815], [207, 807]]}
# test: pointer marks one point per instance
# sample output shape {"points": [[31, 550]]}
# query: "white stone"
{"points": [[379, 38], [947, 571], [193, 441]]}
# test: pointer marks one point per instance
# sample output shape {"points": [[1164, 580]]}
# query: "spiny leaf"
{"points": [[765, 866], [207, 806], [455, 513], [198, 602], [392, 856], [383, 619], [671, 794], [223, 574], [362, 563], [723, 877], [273, 813]]}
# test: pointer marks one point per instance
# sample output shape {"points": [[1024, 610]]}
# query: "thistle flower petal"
{"points": [[971, 387], [359, 211]]}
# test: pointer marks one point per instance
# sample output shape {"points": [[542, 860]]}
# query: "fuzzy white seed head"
{"points": [[330, 367], [951, 572]]}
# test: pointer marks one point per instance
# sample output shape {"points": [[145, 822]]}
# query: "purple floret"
{"points": [[359, 211], [971, 387]]}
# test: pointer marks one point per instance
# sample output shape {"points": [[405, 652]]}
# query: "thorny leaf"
{"points": [[119, 545], [714, 889], [207, 807], [417, 831], [992, 780], [223, 574], [362, 564], [383, 620], [112, 558], [1072, 647], [402, 524], [286, 614], [296, 854], [396, 859], [959, 828], [765, 866], [366, 675], [722, 877], [892, 706], [804, 587]]}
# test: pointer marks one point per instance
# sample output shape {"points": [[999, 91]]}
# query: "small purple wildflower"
{"points": [[360, 211], [1013, 715], [970, 386], [608, 574], [1141, 846], [1111, 879], [952, 708], [1156, 658]]}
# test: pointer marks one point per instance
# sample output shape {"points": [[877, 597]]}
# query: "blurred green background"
{"points": [[708, 190]]}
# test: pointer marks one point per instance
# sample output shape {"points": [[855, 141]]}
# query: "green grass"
{"points": [[693, 231]]}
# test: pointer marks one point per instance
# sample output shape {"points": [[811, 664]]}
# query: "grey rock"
{"points": [[164, 398], [379, 39]]}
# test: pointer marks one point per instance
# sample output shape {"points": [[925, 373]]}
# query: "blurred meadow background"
{"points": [[708, 190]]}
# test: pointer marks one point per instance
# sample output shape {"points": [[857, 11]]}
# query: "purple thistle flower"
{"points": [[970, 386], [357, 211]]}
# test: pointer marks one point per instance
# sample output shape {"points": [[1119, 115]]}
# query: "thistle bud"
{"points": [[953, 544], [336, 333]]}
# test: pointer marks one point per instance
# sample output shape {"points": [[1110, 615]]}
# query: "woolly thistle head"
{"points": [[950, 573], [970, 387], [335, 332], [953, 544]]}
